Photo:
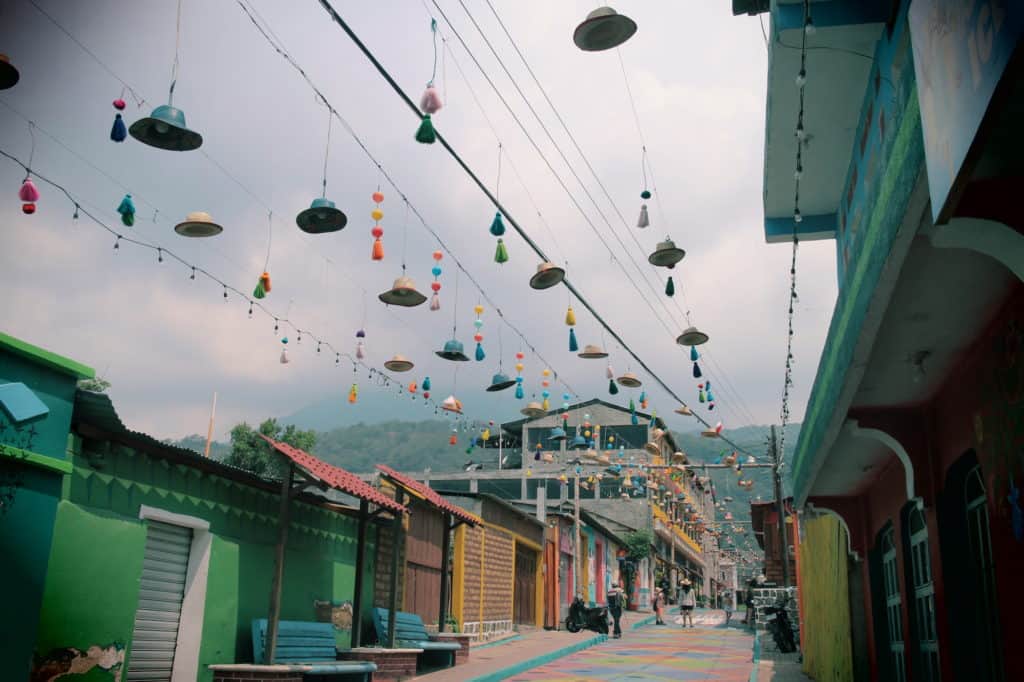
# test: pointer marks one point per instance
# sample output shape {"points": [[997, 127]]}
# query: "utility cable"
{"points": [[515, 225]]}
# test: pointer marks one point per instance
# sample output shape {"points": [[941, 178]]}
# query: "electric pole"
{"points": [[780, 504]]}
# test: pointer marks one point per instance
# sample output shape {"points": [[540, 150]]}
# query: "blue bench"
{"points": [[310, 645], [410, 633]]}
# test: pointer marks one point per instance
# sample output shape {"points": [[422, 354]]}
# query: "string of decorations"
{"points": [[801, 136], [505, 213], [254, 304], [645, 194]]}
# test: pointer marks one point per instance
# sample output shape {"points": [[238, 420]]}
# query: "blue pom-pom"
{"points": [[118, 132], [436, 271]]}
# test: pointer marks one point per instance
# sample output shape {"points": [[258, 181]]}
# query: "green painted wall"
{"points": [[26, 527], [92, 590]]}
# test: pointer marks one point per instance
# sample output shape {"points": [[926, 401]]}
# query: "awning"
{"points": [[336, 477], [428, 494]]}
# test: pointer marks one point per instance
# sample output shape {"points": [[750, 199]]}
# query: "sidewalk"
{"points": [[530, 645]]}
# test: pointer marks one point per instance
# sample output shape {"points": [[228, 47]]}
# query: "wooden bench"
{"points": [[310, 646], [411, 633]]}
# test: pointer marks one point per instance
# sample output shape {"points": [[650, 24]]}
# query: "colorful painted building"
{"points": [[908, 154], [37, 396]]}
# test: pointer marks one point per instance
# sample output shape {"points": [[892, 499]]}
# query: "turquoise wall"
{"points": [[29, 493], [92, 590]]}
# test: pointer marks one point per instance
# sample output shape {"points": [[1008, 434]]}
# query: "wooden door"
{"points": [[423, 564], [524, 609], [551, 610]]}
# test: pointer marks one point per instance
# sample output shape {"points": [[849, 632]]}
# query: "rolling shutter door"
{"points": [[161, 591]]}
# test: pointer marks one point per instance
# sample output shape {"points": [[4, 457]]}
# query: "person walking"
{"points": [[687, 600], [659, 607], [615, 602], [728, 605]]}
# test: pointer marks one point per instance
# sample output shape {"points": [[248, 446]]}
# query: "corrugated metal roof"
{"points": [[428, 494], [336, 477]]}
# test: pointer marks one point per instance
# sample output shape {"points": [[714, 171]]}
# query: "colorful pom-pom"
{"points": [[437, 255], [28, 191], [645, 194], [119, 104], [425, 134], [377, 197], [118, 131], [28, 209], [430, 102], [501, 253], [435, 286], [376, 214]]}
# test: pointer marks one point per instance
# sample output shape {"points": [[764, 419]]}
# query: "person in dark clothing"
{"points": [[616, 601]]}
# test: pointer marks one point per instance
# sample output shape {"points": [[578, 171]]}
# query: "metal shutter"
{"points": [[161, 591]]}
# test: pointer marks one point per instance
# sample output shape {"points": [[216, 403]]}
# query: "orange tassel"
{"points": [[378, 250], [265, 278], [352, 394], [453, 440]]}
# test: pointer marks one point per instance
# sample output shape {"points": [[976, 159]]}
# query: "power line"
{"points": [[578, 148], [515, 225]]}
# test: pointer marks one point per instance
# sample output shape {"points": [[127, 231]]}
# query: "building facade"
{"points": [[908, 464]]}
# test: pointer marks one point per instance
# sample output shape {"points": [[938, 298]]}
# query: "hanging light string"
{"points": [[522, 233], [801, 82], [254, 305]]}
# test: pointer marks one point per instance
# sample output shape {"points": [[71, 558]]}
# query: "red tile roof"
{"points": [[428, 494], [335, 477]]}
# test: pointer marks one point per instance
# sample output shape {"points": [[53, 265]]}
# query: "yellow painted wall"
{"points": [[828, 655]]}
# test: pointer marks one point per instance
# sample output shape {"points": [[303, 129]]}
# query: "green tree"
{"points": [[250, 452], [96, 385]]}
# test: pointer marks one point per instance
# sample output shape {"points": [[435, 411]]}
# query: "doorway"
{"points": [[524, 602]]}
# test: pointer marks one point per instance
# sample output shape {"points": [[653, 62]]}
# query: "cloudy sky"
{"points": [[166, 343]]}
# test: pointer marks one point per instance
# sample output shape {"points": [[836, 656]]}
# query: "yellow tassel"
{"points": [[570, 317]]}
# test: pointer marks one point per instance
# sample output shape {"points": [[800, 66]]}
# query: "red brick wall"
{"points": [[497, 549]]}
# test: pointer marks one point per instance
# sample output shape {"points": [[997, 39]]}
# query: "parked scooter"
{"points": [[777, 622], [582, 617]]}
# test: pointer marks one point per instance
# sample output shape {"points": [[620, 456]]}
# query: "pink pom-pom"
{"points": [[431, 100], [119, 104], [28, 191]]}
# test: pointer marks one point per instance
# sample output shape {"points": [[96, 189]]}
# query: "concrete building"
{"points": [[897, 134]]}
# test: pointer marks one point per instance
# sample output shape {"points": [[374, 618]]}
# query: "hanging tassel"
{"points": [[573, 346], [643, 220], [700, 395], [634, 420], [118, 132], [546, 404], [28, 191], [426, 383], [696, 371], [643, 397], [670, 287], [284, 356], [536, 457], [127, 210], [453, 440], [711, 406], [260, 291], [609, 372], [497, 226], [501, 253], [353, 394], [612, 388], [430, 102], [711, 398], [426, 134], [519, 392], [435, 302], [570, 317], [360, 350], [265, 280], [378, 250], [480, 353], [632, 405], [694, 355]]}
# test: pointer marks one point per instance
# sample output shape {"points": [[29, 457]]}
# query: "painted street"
{"points": [[709, 651]]}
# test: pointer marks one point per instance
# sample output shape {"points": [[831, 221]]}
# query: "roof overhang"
{"points": [[839, 61]]}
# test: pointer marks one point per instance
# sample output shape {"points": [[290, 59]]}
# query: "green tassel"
{"points": [[501, 253], [259, 291], [426, 133], [612, 388], [670, 287]]}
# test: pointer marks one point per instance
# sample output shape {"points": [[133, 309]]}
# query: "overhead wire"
{"points": [[741, 409], [328, 7]]}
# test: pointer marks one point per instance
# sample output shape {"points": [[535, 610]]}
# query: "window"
{"points": [[893, 606], [922, 589], [976, 506]]}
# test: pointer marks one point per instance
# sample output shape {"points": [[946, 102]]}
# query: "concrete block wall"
{"points": [[765, 597]]}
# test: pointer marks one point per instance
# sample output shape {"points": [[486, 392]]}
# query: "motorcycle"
{"points": [[582, 617], [777, 621]]}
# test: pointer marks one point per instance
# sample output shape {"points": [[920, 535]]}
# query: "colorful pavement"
{"points": [[653, 652]]}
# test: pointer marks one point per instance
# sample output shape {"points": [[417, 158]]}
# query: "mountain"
{"points": [[198, 444]]}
